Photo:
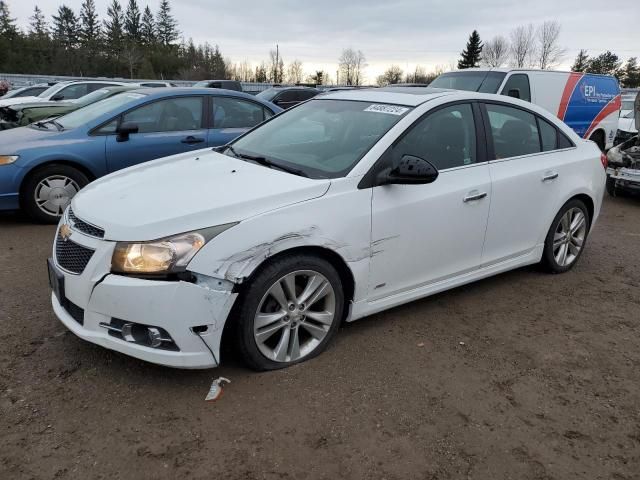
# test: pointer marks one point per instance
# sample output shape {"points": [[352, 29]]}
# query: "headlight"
{"points": [[168, 255], [7, 159]]}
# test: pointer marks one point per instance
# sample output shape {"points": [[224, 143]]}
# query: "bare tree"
{"points": [[132, 57], [351, 66], [495, 52], [295, 72], [522, 45], [391, 76], [275, 70], [549, 53]]}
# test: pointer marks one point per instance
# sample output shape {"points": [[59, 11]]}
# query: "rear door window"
{"points": [[518, 82], [514, 131], [548, 135]]}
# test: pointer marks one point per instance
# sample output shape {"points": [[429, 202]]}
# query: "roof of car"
{"points": [[409, 96], [508, 70], [291, 87], [183, 91]]}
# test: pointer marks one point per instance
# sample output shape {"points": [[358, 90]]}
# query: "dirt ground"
{"points": [[521, 376]]}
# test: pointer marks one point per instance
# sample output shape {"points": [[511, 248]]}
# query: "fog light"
{"points": [[155, 337], [145, 335]]}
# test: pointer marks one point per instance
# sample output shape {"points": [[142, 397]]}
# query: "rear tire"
{"points": [[566, 238], [48, 191], [276, 328]]}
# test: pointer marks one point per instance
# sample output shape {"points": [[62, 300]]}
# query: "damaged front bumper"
{"points": [[624, 165], [172, 323]]}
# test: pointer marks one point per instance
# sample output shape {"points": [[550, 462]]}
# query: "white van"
{"points": [[588, 103]]}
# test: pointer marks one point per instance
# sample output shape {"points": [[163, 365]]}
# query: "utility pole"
{"points": [[275, 76]]}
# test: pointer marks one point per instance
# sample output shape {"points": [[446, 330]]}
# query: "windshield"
{"points": [[91, 112], [93, 97], [321, 138], [471, 81], [203, 83], [49, 91]]}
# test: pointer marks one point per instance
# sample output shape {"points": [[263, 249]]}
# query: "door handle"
{"points": [[473, 196], [191, 140], [550, 176]]}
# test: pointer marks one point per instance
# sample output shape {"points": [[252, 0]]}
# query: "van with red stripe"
{"points": [[588, 103]]}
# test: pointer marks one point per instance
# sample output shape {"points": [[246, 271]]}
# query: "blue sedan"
{"points": [[44, 165]]}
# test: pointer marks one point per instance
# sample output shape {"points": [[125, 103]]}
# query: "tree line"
{"points": [[135, 42], [527, 46]]}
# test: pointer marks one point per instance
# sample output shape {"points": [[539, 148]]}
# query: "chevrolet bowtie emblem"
{"points": [[65, 232]]}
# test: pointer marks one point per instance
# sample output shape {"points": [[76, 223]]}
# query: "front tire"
{"points": [[611, 186], [49, 190], [566, 238], [289, 312]]}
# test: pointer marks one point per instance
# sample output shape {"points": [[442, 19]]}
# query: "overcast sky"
{"points": [[404, 32]]}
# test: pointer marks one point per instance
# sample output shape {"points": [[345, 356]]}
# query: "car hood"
{"points": [[627, 125], [43, 104], [17, 141], [18, 100], [187, 192]]}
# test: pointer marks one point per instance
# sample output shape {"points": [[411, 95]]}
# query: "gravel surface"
{"points": [[521, 376]]}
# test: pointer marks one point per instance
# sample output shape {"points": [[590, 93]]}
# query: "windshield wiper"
{"points": [[42, 124], [267, 163]]}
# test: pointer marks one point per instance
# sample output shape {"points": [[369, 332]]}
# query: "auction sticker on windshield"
{"points": [[390, 109]]}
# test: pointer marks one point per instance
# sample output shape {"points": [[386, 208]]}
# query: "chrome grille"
{"points": [[84, 227], [71, 256]]}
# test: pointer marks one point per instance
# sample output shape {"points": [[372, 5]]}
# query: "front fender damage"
{"points": [[239, 266]]}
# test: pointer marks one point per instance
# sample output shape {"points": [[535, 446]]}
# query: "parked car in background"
{"points": [[24, 114], [32, 91], [62, 91], [626, 105], [623, 172], [225, 84], [287, 97], [154, 84], [627, 128], [588, 103], [349, 204], [44, 165]]}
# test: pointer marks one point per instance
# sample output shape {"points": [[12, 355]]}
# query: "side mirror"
{"points": [[125, 129], [57, 97], [514, 92], [410, 171]]}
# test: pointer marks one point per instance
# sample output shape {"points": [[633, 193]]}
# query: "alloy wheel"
{"points": [[294, 316], [569, 237]]}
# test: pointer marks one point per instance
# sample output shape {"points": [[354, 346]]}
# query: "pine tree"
{"points": [[471, 55], [132, 21], [89, 24], [581, 63], [166, 25], [65, 28], [631, 73], [38, 27], [8, 27], [113, 29], [606, 63], [148, 28]]}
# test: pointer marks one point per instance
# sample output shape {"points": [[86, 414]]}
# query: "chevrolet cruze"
{"points": [[351, 203]]}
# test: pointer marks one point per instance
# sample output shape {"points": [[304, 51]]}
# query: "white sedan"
{"points": [[347, 205]]}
